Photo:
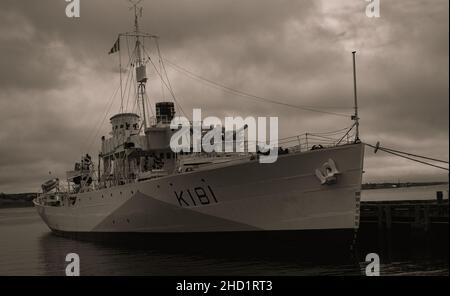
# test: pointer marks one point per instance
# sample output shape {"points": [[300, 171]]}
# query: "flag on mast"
{"points": [[116, 46]]}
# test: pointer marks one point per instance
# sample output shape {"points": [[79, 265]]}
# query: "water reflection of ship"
{"points": [[207, 256]]}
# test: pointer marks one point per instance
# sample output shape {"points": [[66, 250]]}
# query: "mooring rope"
{"points": [[403, 155]]}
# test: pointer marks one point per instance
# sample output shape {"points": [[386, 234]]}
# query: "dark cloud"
{"points": [[56, 77]]}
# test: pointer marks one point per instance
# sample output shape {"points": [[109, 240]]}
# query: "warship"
{"points": [[141, 186]]}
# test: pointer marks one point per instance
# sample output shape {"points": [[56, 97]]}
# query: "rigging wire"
{"points": [[190, 74], [99, 125], [129, 90], [128, 84], [347, 133], [167, 77], [415, 155], [162, 84], [339, 131], [400, 154], [148, 99], [246, 94], [109, 106], [148, 106], [167, 84], [130, 58], [120, 77], [131, 80]]}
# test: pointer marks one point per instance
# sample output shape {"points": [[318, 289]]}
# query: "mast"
{"points": [[141, 75], [355, 116]]}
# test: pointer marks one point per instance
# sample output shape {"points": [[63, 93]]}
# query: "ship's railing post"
{"points": [[307, 146]]}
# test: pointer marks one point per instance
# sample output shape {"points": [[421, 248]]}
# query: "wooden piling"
{"points": [[426, 218], [439, 196], [387, 212], [421, 215], [380, 217]]}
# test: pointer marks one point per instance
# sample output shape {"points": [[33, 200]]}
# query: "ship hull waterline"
{"points": [[250, 198]]}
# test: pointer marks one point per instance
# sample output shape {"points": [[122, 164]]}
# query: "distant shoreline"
{"points": [[367, 186], [19, 200]]}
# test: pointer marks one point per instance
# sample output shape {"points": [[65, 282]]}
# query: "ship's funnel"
{"points": [[165, 111]]}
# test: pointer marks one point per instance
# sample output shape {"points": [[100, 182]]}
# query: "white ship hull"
{"points": [[247, 197]]}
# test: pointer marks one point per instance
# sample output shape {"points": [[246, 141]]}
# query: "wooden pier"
{"points": [[398, 229], [420, 215]]}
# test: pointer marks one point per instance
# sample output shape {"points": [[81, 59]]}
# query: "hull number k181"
{"points": [[196, 196]]}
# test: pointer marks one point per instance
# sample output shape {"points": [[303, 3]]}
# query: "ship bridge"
{"points": [[125, 129]]}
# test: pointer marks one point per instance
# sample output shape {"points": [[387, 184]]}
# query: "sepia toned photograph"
{"points": [[260, 138]]}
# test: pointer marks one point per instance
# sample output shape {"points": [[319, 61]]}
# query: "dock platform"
{"points": [[420, 215]]}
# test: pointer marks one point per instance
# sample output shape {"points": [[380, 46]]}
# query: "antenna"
{"points": [[355, 116], [141, 72], [137, 11]]}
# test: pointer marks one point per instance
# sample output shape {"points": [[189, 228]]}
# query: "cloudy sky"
{"points": [[56, 77]]}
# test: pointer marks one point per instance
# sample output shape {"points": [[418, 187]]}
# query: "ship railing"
{"points": [[294, 144], [298, 143], [160, 119], [307, 141], [211, 155]]}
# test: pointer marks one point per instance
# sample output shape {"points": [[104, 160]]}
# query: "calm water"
{"points": [[27, 247]]}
